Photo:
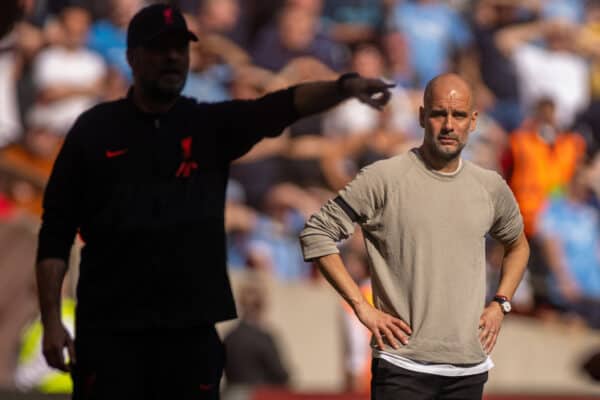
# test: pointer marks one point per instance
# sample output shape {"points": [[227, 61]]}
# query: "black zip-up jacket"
{"points": [[147, 193]]}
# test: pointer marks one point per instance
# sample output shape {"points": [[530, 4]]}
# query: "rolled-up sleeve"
{"points": [[324, 229], [332, 223]]}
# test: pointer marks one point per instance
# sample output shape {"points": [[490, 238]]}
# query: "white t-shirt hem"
{"points": [[434, 369]]}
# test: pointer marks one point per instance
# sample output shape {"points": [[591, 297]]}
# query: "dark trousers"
{"points": [[159, 364], [390, 382]]}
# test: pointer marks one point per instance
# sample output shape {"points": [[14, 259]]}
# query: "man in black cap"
{"points": [[142, 180]]}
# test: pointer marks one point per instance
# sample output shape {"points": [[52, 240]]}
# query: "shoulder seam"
{"points": [[484, 187]]}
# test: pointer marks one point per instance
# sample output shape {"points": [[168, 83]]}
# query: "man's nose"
{"points": [[448, 124]]}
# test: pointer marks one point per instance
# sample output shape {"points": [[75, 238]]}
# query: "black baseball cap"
{"points": [[155, 20]]}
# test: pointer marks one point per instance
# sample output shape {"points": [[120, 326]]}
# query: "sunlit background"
{"points": [[535, 69]]}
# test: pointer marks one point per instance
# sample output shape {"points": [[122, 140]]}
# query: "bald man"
{"points": [[425, 215]]}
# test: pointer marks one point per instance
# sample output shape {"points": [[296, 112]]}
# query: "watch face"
{"points": [[506, 307]]}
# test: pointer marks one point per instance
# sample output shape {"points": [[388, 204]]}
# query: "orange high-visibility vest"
{"points": [[539, 169]]}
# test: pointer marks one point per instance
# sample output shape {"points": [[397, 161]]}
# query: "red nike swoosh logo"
{"points": [[115, 153], [205, 387]]}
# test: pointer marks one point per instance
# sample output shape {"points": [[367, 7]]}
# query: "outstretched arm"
{"points": [[267, 116], [314, 97]]}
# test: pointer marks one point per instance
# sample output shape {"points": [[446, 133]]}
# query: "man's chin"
{"points": [[168, 91], [448, 153]]}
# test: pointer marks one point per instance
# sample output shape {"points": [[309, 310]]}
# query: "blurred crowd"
{"points": [[534, 66]]}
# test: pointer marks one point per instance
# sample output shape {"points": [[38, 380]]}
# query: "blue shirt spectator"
{"points": [[296, 34], [433, 31], [276, 247], [210, 85], [570, 10], [362, 12], [576, 225], [110, 42]]}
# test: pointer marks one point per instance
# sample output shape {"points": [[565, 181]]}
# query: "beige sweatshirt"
{"points": [[425, 238]]}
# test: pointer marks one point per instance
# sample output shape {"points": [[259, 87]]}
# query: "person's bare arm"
{"points": [[382, 325], [50, 274], [225, 48], [509, 38], [352, 33], [514, 263]]}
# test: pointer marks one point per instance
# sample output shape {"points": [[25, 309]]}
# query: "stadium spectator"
{"points": [[253, 357], [26, 166], [591, 365], [435, 33], [108, 36], [540, 163], [267, 241], [354, 21], [68, 77], [588, 122], [554, 70], [361, 135], [352, 117], [10, 119], [296, 33], [570, 236], [210, 72], [397, 54], [17, 288], [292, 157], [496, 71], [218, 17], [588, 42], [487, 145], [567, 10]]}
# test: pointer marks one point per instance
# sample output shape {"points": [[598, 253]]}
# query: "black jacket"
{"points": [[146, 193]]}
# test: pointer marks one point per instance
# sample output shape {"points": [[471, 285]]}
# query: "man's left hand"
{"points": [[374, 92], [489, 326]]}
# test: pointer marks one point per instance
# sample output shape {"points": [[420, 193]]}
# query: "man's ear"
{"points": [[474, 116], [422, 117]]}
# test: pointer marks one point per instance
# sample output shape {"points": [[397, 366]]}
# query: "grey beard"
{"points": [[448, 156]]}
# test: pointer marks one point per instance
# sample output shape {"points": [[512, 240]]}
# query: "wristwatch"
{"points": [[504, 303]]}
